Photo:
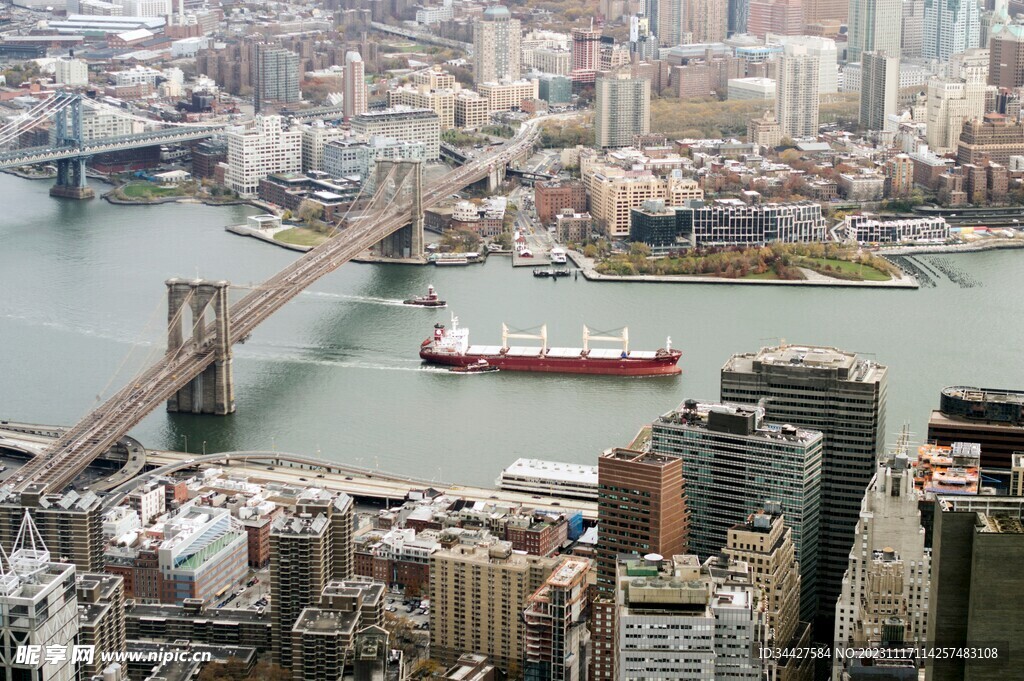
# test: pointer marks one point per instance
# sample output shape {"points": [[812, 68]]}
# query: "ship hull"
{"points": [[658, 366]]}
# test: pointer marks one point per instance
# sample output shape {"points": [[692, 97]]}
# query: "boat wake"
{"points": [[357, 299], [340, 364]]}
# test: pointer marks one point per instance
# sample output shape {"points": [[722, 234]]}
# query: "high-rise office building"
{"points": [[1006, 53], [622, 109], [765, 544], [879, 90], [641, 509], [555, 625], [843, 396], [277, 80], [680, 620], [477, 597], [949, 28], [37, 597], [780, 17], [496, 46], [739, 16], [884, 597], [826, 11], [732, 463], [796, 92], [912, 29], [354, 96], [874, 27], [992, 418], [974, 600]]}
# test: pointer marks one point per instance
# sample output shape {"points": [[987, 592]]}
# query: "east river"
{"points": [[82, 309]]}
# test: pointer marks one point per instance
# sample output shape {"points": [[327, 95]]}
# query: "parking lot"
{"points": [[410, 609]]}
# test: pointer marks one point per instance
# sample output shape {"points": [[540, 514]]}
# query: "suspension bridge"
{"points": [[70, 150], [195, 373]]}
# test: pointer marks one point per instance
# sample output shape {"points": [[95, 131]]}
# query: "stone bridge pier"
{"points": [[212, 391], [404, 187]]}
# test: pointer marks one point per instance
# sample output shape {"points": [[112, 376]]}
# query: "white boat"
{"points": [[558, 256]]}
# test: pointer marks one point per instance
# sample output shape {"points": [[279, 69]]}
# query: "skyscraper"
{"points": [[796, 92], [707, 20], [1006, 54], [496, 41], [992, 418], [912, 31], [354, 95], [879, 90], [733, 461], [885, 589], [277, 80], [874, 27], [951, 102], [843, 396], [671, 25], [622, 109], [307, 552], [978, 548], [37, 597], [586, 54], [950, 27], [641, 509]]}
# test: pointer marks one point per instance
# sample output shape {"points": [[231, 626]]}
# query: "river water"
{"points": [[336, 371]]}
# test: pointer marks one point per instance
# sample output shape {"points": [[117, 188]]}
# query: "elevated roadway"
{"points": [[81, 444], [359, 482]]}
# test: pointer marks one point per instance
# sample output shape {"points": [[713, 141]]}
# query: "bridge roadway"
{"points": [[49, 154], [359, 482], [98, 430]]}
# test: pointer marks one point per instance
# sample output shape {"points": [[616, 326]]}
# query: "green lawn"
{"points": [[301, 236], [864, 272], [147, 190], [770, 274]]}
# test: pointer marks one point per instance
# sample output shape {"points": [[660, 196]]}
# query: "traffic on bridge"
{"points": [[68, 456]]}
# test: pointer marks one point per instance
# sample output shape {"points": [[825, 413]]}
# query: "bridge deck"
{"points": [[95, 433]]}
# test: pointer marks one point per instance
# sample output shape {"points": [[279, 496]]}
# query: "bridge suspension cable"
{"points": [[14, 130], [95, 105]]}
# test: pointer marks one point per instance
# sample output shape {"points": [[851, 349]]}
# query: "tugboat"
{"points": [[481, 367], [429, 300]]}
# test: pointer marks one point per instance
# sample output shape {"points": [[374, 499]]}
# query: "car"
{"points": [[303, 480], [270, 468], [319, 475], [348, 477], [190, 460]]}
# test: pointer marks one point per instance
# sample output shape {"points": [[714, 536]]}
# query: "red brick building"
{"points": [[552, 198]]}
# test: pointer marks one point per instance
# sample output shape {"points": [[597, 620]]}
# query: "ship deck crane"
{"points": [[542, 337], [623, 338]]}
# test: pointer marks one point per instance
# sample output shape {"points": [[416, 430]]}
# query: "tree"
{"points": [[590, 251], [639, 248], [310, 211]]}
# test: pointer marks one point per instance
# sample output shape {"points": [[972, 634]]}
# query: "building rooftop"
{"points": [[554, 471], [649, 458], [735, 419], [848, 365], [315, 620]]}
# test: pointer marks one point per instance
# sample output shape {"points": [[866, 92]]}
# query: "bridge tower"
{"points": [[405, 186], [68, 133], [212, 391]]}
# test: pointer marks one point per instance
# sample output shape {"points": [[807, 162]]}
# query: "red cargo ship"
{"points": [[451, 347]]}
